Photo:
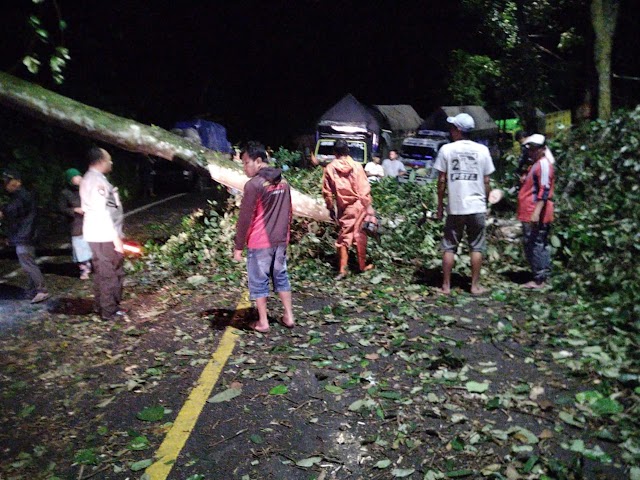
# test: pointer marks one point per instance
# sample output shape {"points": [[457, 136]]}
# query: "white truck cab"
{"points": [[419, 154]]}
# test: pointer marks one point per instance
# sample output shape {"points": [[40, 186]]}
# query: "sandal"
{"points": [[255, 328], [286, 325]]}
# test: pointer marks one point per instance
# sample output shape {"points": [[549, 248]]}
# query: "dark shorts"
{"points": [[456, 225], [264, 264]]}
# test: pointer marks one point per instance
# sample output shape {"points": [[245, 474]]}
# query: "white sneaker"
{"points": [[40, 297]]}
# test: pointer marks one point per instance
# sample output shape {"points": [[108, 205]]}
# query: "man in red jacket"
{"points": [[264, 227], [535, 209]]}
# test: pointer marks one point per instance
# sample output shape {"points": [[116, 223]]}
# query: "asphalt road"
{"points": [[155, 218]]}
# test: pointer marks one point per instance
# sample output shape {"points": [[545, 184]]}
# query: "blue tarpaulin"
{"points": [[213, 135]]}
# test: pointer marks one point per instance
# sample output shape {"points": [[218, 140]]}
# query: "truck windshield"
{"points": [[418, 152], [356, 149]]}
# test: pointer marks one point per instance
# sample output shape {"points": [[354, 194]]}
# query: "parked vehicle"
{"points": [[369, 130], [351, 121], [398, 122], [419, 154]]}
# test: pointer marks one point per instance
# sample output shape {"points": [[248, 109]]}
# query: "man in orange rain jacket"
{"points": [[345, 181]]}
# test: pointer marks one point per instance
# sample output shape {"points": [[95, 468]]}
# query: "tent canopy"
{"points": [[485, 126], [399, 117], [350, 110]]}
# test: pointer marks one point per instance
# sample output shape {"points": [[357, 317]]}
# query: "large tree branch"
{"points": [[133, 136]]}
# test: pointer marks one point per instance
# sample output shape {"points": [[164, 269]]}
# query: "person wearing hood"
{"points": [[345, 181], [69, 206], [264, 228]]}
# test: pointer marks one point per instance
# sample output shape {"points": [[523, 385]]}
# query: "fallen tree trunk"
{"points": [[133, 136]]}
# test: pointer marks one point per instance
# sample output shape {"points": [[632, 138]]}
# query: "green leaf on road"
{"points": [[334, 389], [86, 456], [141, 465], [569, 418], [139, 443], [607, 406], [382, 463], [457, 444], [477, 387], [308, 462], [228, 394], [257, 439], [402, 472], [26, 411], [151, 414], [460, 473], [594, 453], [499, 296], [390, 395], [533, 459], [279, 390]]}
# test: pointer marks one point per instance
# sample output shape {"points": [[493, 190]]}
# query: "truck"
{"points": [[369, 130], [419, 153], [351, 121]]}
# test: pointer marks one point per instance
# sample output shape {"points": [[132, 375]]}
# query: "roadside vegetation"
{"points": [[382, 378], [587, 323]]}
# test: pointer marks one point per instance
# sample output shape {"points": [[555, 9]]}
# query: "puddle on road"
{"points": [[221, 318], [72, 306]]}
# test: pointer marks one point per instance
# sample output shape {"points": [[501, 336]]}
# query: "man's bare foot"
{"points": [[532, 285], [258, 327], [444, 290], [478, 290], [287, 322]]}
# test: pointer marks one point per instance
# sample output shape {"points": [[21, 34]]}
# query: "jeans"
{"points": [[27, 258], [537, 250], [264, 264]]}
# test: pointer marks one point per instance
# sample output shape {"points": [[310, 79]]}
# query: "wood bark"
{"points": [[604, 15], [133, 136]]}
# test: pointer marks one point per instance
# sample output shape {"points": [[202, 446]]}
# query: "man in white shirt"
{"points": [[102, 229], [464, 168], [374, 170], [392, 166]]}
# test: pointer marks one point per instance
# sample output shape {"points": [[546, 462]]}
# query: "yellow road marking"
{"points": [[188, 415]]}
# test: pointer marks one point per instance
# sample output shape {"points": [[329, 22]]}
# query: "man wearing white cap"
{"points": [[464, 167], [535, 209]]}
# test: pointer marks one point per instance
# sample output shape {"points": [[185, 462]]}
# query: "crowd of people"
{"points": [[94, 211]]}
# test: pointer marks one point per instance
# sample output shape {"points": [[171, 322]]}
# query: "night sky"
{"points": [[264, 69]]}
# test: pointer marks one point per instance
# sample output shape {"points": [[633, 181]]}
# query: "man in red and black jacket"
{"points": [[264, 227], [535, 209]]}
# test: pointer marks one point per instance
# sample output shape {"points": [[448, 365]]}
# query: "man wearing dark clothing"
{"points": [[19, 216], [263, 226], [69, 205]]}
